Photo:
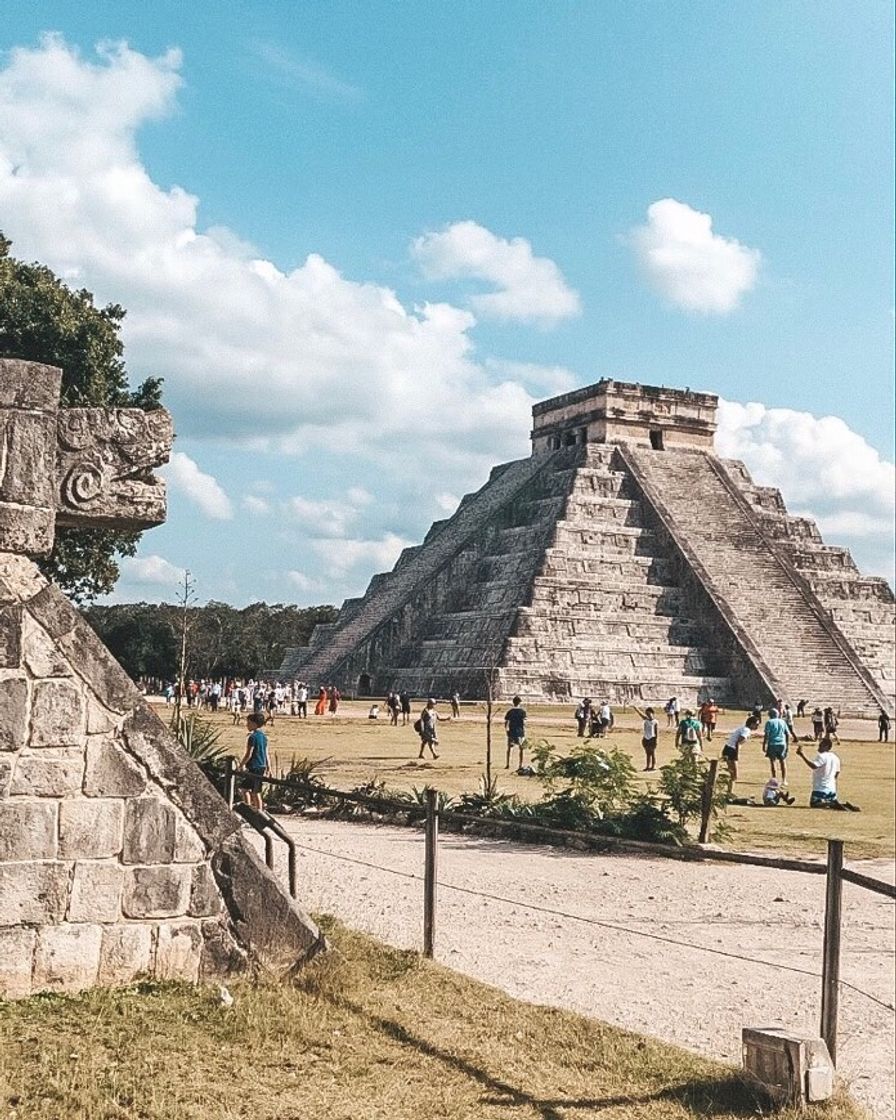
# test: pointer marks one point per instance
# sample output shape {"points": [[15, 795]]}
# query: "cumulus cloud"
{"points": [[184, 475], [824, 470], [326, 362], [328, 517], [341, 555], [151, 569], [304, 583], [688, 264], [530, 288], [259, 507]]}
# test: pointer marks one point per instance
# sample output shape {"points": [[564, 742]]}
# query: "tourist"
{"points": [[649, 735], [374, 712], [731, 749], [801, 708], [428, 728], [321, 706], [831, 723], [393, 703], [825, 769], [255, 760], [776, 737], [787, 716], [709, 713], [583, 716], [515, 726], [302, 700], [689, 735], [817, 724], [602, 721], [333, 698], [404, 698], [455, 705], [883, 727], [672, 709], [775, 793]]}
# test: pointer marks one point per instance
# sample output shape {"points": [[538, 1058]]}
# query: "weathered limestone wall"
{"points": [[117, 857]]}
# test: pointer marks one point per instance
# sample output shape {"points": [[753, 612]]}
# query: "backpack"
{"points": [[418, 726], [690, 733]]}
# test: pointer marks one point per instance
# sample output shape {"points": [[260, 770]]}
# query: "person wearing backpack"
{"points": [[776, 738], [427, 729], [689, 734]]}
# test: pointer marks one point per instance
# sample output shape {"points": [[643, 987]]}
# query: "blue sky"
{"points": [[358, 240]]}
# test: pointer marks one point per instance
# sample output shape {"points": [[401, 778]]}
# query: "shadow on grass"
{"points": [[730, 1096]]}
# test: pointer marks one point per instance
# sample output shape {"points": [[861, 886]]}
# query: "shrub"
{"points": [[603, 780], [681, 785]]}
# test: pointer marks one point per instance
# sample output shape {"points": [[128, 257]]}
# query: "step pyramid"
{"points": [[622, 559]]}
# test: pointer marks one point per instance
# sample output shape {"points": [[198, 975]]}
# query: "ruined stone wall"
{"points": [[117, 858]]}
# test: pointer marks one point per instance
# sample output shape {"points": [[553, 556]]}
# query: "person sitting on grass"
{"points": [[255, 760], [774, 794], [825, 768], [515, 726]]}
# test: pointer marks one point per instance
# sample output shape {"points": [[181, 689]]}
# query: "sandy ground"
{"points": [[679, 993]]}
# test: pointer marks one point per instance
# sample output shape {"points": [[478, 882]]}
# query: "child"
{"points": [[774, 793], [649, 736], [255, 760]]}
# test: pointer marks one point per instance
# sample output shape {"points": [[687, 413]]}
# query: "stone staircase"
{"points": [[605, 617], [754, 583]]}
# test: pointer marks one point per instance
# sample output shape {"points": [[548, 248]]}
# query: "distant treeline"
{"points": [[221, 641]]}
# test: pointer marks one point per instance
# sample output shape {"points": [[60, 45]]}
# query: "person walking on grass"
{"points": [[515, 726], [255, 760], [731, 749], [709, 713], [428, 728], [689, 735], [404, 699], [776, 738], [825, 769], [649, 735], [883, 727]]}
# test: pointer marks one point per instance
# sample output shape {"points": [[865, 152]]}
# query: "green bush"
{"points": [[682, 782], [603, 780]]}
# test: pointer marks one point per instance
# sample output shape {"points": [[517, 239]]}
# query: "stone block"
{"points": [[794, 1068], [43, 776], [188, 846], [57, 714], [149, 832], [10, 635], [16, 960], [157, 892], [205, 898], [5, 774], [27, 830], [67, 958], [41, 656], [90, 828], [111, 772], [99, 720], [13, 713], [96, 892], [221, 956], [109, 681], [178, 951], [125, 954], [33, 893]]}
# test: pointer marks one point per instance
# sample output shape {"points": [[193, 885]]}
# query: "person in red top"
{"points": [[709, 713]]}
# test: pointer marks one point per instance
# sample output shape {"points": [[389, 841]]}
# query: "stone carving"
{"points": [[117, 857], [622, 559]]}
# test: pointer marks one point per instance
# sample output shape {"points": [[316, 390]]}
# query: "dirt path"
{"points": [[680, 994]]}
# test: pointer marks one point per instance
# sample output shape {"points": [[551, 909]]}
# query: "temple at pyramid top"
{"points": [[623, 559], [622, 412]]}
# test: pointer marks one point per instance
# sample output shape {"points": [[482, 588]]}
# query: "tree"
{"points": [[43, 320]]}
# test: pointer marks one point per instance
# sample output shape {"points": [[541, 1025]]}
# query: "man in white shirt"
{"points": [[825, 769]]}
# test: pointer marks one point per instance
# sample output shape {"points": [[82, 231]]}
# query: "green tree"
{"points": [[43, 320]]}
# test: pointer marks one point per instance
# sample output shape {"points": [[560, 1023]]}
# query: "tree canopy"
{"points": [[43, 320]]}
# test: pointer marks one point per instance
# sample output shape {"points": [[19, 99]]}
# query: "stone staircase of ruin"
{"points": [[605, 617], [753, 582]]}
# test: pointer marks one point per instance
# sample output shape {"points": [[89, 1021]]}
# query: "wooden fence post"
{"points": [[429, 872], [830, 968], [708, 791]]}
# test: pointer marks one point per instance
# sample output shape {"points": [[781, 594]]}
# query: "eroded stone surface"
{"points": [[57, 714], [110, 772], [42, 776], [96, 892], [13, 712], [33, 893], [67, 957], [125, 954], [28, 830], [150, 831], [178, 951], [157, 892], [16, 962], [205, 900], [10, 635], [90, 828], [40, 655]]}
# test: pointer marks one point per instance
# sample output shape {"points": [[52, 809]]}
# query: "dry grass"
{"points": [[353, 749], [366, 1033]]}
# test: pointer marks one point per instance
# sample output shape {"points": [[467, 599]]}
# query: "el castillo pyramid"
{"points": [[622, 559]]}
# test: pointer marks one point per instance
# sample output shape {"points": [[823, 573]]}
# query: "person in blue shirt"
{"points": [[255, 760], [776, 738]]}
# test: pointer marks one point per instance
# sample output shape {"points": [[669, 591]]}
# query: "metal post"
{"points": [[231, 780], [291, 863], [269, 850], [708, 791], [830, 968], [429, 872]]}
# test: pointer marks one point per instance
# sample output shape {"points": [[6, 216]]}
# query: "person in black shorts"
{"points": [[515, 726], [255, 760]]}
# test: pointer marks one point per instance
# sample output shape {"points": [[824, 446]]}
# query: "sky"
{"points": [[359, 241]]}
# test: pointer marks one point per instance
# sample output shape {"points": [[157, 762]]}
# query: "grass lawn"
{"points": [[352, 749], [366, 1033]]}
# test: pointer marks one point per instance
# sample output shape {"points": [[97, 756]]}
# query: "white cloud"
{"points": [[258, 507], [304, 583], [447, 503], [276, 62], [152, 570], [529, 287], [343, 554], [327, 363], [688, 264], [184, 475], [822, 468]]}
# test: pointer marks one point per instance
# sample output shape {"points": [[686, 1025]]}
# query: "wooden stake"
{"points": [[429, 872], [708, 792], [830, 967]]}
